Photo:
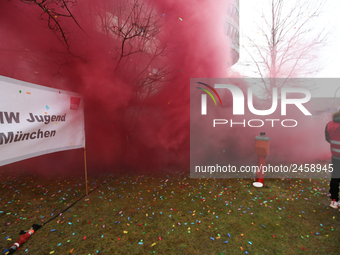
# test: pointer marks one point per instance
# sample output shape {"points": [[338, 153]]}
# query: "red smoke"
{"points": [[115, 137], [121, 129]]}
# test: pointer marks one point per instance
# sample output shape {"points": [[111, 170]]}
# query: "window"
{"points": [[231, 8], [227, 28], [231, 31], [236, 14]]}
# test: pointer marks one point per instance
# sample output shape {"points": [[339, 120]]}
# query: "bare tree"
{"points": [[133, 29], [289, 42], [53, 12], [137, 27]]}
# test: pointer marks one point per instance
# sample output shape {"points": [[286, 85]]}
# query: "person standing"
{"points": [[332, 133]]}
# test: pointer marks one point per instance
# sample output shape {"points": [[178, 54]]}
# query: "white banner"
{"points": [[36, 120]]}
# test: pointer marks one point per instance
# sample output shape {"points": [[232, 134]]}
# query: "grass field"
{"points": [[168, 214]]}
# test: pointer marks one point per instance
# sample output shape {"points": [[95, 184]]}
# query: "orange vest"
{"points": [[333, 129]]}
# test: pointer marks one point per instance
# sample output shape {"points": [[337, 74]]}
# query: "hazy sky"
{"points": [[330, 55]]}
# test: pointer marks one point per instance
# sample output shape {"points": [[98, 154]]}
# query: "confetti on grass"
{"points": [[137, 205]]}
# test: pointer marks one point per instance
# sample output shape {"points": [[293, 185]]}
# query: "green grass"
{"points": [[283, 217]]}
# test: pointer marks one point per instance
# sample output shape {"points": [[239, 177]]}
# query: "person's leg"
{"points": [[334, 183], [334, 189]]}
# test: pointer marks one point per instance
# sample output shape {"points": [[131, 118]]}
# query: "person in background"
{"points": [[332, 134]]}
